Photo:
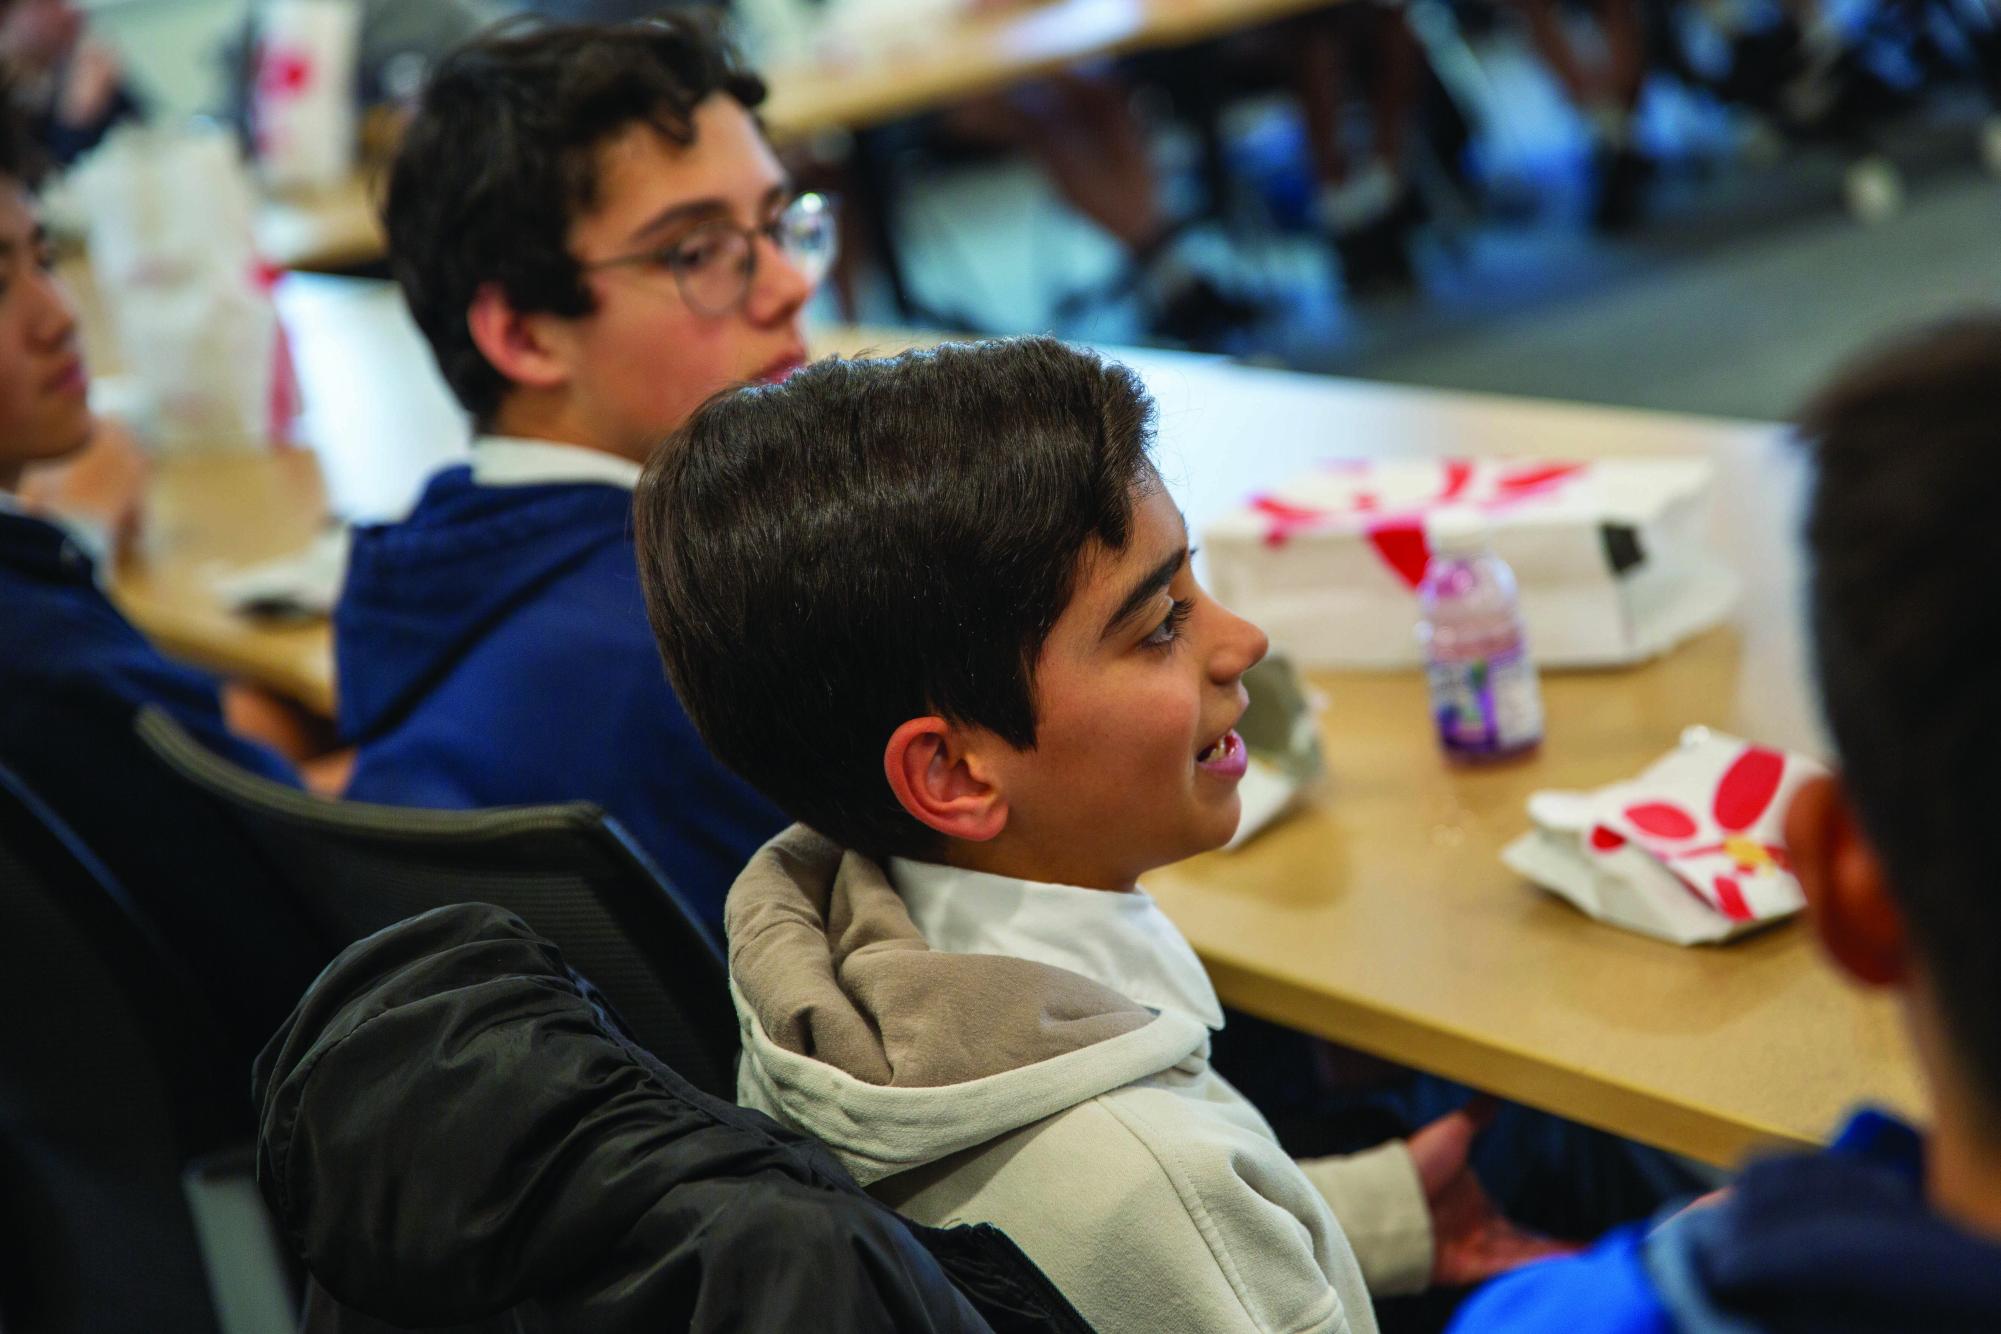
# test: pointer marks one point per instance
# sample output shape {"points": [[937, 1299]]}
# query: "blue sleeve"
{"points": [[1603, 1291]]}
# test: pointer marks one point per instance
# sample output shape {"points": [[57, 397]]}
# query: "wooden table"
{"points": [[1379, 916], [928, 68], [326, 231], [934, 65], [210, 516]]}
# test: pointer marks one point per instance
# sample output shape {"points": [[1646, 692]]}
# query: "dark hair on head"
{"points": [[1904, 539], [21, 158], [874, 541], [501, 158]]}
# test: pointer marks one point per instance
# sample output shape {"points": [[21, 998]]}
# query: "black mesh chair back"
{"points": [[111, 1081], [566, 870], [184, 866]]}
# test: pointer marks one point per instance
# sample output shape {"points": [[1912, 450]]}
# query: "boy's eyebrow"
{"points": [[704, 208], [1149, 587]]}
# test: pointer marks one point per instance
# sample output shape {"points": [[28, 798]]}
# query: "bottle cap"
{"points": [[1457, 530]]}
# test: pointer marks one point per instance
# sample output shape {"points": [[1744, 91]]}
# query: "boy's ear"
{"points": [[941, 783], [517, 345], [1847, 889]]}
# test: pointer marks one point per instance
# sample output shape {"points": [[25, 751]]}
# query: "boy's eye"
{"points": [[1170, 625], [701, 251]]}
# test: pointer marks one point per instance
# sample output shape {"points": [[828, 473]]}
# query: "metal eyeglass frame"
{"points": [[810, 214]]}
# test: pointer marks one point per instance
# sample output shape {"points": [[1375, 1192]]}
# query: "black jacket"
{"points": [[453, 1126]]}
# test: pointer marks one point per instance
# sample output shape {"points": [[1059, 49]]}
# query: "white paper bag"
{"points": [[173, 259], [1609, 556], [1692, 851], [1281, 732], [303, 114]]}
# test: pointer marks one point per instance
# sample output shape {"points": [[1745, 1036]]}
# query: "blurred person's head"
{"points": [[940, 607], [44, 403], [36, 34], [566, 220], [1904, 538]]}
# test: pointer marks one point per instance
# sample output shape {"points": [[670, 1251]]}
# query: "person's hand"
{"points": [[91, 84], [1472, 1242], [102, 485]]}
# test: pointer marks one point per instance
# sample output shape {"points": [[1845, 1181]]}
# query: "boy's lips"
{"points": [[69, 378], [1225, 758]]}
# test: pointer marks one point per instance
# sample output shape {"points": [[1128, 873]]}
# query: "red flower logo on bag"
{"points": [[1715, 858], [1396, 528], [284, 71]]}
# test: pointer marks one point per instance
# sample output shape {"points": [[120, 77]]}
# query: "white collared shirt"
{"points": [[90, 538], [1123, 941], [499, 460]]}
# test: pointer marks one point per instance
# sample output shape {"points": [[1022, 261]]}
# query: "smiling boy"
{"points": [[940, 610], [594, 237]]}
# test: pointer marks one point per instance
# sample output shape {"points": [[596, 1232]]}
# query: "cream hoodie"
{"points": [[986, 1088]]}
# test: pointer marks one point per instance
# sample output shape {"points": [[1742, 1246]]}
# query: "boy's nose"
{"points": [[54, 321], [780, 286], [1241, 647]]}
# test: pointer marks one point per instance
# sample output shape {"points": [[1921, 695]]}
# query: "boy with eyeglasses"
{"points": [[593, 235]]}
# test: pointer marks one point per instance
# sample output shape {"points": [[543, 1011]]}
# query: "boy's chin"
{"points": [[1218, 825]]}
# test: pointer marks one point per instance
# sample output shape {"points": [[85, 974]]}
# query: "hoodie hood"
{"points": [[422, 593], [1833, 1243], [894, 1054]]}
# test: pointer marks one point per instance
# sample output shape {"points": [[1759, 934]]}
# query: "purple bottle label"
{"points": [[1487, 706]]}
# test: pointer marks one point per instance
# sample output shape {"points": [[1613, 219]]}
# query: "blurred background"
{"points": [[1684, 204]]}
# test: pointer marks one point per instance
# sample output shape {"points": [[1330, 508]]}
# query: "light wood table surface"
{"points": [[1379, 915], [922, 69], [933, 64], [211, 516], [323, 230]]}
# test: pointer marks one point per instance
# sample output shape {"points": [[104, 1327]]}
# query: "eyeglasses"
{"points": [[715, 264]]}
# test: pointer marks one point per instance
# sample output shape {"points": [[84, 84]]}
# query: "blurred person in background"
{"points": [[1607, 93], [67, 85], [1080, 130], [75, 672]]}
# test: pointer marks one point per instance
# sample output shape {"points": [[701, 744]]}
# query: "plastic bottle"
{"points": [[1485, 698]]}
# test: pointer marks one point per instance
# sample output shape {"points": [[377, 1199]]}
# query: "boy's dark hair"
{"points": [[501, 158], [874, 541], [1904, 532]]}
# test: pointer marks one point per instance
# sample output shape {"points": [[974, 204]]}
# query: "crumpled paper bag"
{"points": [[1691, 851], [174, 260], [1281, 732]]}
